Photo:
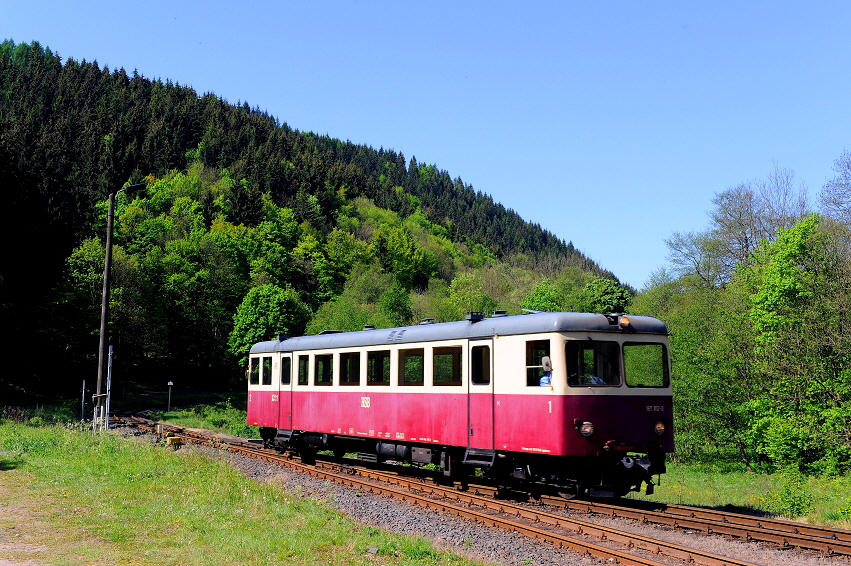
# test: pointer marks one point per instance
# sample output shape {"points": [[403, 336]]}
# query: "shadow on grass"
{"points": [[6, 465], [742, 510]]}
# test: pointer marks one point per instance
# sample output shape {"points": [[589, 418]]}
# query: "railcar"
{"points": [[467, 394]]}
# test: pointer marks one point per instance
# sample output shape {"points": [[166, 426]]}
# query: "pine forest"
{"points": [[248, 228]]}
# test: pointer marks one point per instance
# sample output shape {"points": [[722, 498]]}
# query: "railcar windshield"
{"points": [[592, 363], [645, 365]]}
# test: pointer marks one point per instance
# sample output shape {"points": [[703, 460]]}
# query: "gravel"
{"points": [[462, 536], [494, 545]]}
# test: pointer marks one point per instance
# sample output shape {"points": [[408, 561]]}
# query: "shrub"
{"points": [[793, 499]]}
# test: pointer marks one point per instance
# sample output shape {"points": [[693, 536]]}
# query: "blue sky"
{"points": [[612, 124]]}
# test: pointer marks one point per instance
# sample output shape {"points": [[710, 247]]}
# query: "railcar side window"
{"points": [[303, 371], [323, 370], [645, 365], [254, 372], [378, 368], [411, 364], [350, 368], [535, 351], [592, 362], [481, 362], [447, 365], [267, 370], [286, 370]]}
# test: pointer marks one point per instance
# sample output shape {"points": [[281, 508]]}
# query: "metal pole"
{"points": [[104, 306], [108, 388], [83, 406], [169, 397]]}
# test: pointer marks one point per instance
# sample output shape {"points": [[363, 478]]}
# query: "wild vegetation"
{"points": [[77, 497], [822, 500], [756, 305], [249, 228]]}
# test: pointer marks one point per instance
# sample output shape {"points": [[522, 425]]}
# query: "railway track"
{"points": [[785, 534], [479, 504]]}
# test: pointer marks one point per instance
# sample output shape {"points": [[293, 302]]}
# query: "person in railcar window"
{"points": [[547, 377], [536, 351], [592, 362]]}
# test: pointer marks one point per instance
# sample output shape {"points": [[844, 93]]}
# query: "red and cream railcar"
{"points": [[468, 394]]}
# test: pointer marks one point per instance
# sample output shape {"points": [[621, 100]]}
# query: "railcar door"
{"points": [[262, 391], [285, 392], [480, 394]]}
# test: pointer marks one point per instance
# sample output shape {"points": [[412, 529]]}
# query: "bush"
{"points": [[793, 499], [845, 511]]}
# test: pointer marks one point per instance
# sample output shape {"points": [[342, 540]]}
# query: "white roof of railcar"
{"points": [[465, 329]]}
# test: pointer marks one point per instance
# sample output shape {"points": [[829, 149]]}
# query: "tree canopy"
{"points": [[236, 201], [755, 304]]}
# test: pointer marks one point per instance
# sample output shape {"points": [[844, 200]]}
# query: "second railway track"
{"points": [[477, 504]]}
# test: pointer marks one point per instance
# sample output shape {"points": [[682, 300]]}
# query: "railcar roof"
{"points": [[465, 329]]}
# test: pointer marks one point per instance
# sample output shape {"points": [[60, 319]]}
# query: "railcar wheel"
{"points": [[268, 436], [308, 455]]}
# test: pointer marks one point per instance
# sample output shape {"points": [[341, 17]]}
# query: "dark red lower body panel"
{"points": [[541, 424]]}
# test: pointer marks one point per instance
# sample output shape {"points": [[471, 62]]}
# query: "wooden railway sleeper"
{"points": [[577, 545]]}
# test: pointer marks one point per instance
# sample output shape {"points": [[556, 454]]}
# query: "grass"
{"points": [[221, 416], [222, 412], [78, 497], [821, 500]]}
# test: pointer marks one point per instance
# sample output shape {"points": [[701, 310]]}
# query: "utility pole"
{"points": [[99, 415]]}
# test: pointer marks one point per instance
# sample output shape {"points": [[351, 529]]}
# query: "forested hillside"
{"points": [[248, 227], [757, 306], [243, 216]]}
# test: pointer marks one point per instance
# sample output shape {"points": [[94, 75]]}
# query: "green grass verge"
{"points": [[824, 500], [84, 497], [221, 416]]}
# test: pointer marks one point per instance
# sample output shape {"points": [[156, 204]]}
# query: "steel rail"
{"points": [[819, 538], [486, 519], [528, 516], [782, 533], [732, 524], [573, 525], [764, 522]]}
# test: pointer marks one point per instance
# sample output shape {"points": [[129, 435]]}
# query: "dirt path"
{"points": [[19, 526]]}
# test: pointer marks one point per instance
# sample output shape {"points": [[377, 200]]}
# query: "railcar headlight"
{"points": [[659, 428], [586, 429]]}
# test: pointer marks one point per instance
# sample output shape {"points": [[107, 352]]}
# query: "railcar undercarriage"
{"points": [[607, 475]]}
